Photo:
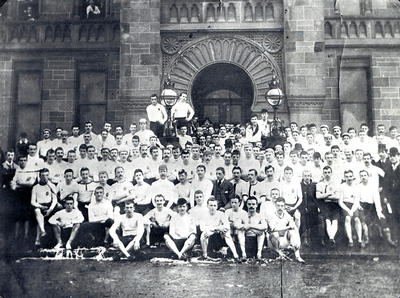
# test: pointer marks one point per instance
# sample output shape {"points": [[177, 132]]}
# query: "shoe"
{"points": [[350, 244], [204, 258], [116, 257], [361, 244], [243, 259], [332, 243], [184, 257], [57, 246], [131, 258], [300, 260]]}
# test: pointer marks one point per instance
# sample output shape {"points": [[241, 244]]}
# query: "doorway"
{"points": [[223, 93]]}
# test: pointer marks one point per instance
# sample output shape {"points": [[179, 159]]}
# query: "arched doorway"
{"points": [[223, 93]]}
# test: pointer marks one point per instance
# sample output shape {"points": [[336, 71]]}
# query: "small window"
{"points": [[28, 10]]}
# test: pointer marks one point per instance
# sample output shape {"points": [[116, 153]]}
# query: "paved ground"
{"points": [[86, 278]]}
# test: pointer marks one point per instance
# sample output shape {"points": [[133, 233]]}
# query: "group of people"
{"points": [[217, 185]]}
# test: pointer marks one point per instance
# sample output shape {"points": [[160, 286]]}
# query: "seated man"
{"points": [[182, 231], [237, 217], [131, 226], [215, 230], [254, 226], [157, 221], [44, 200], [198, 212], [100, 211], [283, 231], [66, 223]]}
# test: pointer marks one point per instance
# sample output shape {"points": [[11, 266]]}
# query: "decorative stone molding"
{"points": [[273, 43], [238, 50], [170, 45], [306, 103]]}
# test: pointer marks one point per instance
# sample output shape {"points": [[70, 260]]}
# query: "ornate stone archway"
{"points": [[187, 63]]}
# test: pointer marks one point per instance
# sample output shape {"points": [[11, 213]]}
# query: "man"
{"points": [[182, 231], [370, 204], [157, 221], [201, 182], [157, 116], [86, 188], [75, 139], [88, 129], [100, 219], [141, 193], [237, 217], [254, 226], [128, 138], [184, 188], [68, 188], [254, 188], [121, 190], [349, 201], [43, 200], [183, 136], [131, 226], [309, 210], [283, 232], [66, 224], [291, 192], [22, 185], [44, 145], [144, 134], [270, 181], [222, 190], [34, 162], [164, 186], [215, 230], [253, 131], [182, 112], [327, 193], [199, 212], [105, 140]]}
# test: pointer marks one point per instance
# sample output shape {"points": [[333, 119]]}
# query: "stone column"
{"points": [[140, 56], [304, 58]]}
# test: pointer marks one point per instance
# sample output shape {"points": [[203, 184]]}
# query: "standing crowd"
{"points": [[216, 185]]}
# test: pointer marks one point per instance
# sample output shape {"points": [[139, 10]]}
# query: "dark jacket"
{"points": [[223, 193]]}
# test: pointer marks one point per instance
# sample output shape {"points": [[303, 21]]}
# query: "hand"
{"points": [[136, 245], [350, 213], [381, 216]]}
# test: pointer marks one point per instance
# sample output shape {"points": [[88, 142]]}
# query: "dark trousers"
{"points": [[157, 128]]}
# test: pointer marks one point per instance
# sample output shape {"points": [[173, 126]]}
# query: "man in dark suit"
{"points": [[222, 189], [310, 222], [391, 188]]}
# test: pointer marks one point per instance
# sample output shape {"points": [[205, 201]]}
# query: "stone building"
{"points": [[68, 61]]}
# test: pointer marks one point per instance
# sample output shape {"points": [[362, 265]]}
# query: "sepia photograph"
{"points": [[199, 148]]}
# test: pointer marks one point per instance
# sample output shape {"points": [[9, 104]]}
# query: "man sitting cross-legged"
{"points": [[95, 231], [132, 229], [66, 223], [182, 231], [157, 221], [283, 231], [215, 230]]}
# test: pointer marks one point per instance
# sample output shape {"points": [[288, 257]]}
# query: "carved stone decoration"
{"points": [[170, 45], [273, 43], [231, 13], [241, 51]]}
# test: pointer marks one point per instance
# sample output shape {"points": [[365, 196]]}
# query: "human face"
{"points": [[212, 207], [198, 198], [310, 138], [200, 172], [367, 160], [166, 154], [337, 132], [280, 207], [10, 156], [123, 155], [364, 177], [71, 157], [22, 162], [86, 138], [143, 151], [46, 134], [195, 152], [103, 178], [32, 150], [346, 140], [129, 209], [104, 154], [219, 175], [359, 155], [183, 130], [382, 154], [329, 158], [88, 127], [288, 175], [327, 174], [393, 133], [182, 177], [235, 204], [349, 177], [236, 174], [91, 152], [132, 128], [163, 173], [280, 159], [44, 177], [135, 152], [119, 173], [286, 147], [139, 177], [85, 175], [159, 200], [393, 159], [114, 154], [59, 154], [349, 155], [107, 126], [352, 133], [118, 139], [270, 173], [182, 209], [381, 130], [275, 194], [135, 142], [98, 194], [75, 131], [59, 133], [251, 205], [218, 150], [307, 176], [227, 158], [324, 130], [252, 176], [176, 153], [142, 125], [335, 152], [248, 151], [69, 205], [51, 157], [154, 154]]}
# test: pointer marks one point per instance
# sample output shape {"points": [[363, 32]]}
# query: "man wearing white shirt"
{"points": [[201, 182], [165, 187], [182, 112], [34, 162], [182, 231], [184, 187], [157, 116], [127, 139], [45, 144], [75, 139], [105, 140], [144, 134]]}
